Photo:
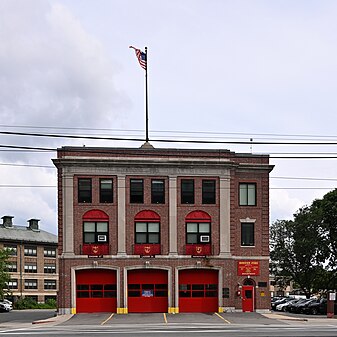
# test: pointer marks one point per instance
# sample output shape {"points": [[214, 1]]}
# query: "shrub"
{"points": [[29, 303]]}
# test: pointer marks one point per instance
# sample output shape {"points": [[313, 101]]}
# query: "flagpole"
{"points": [[146, 103]]}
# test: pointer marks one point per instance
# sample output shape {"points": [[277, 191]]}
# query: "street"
{"points": [[180, 325]]}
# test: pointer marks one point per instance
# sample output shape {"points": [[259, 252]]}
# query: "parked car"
{"points": [[303, 307], [320, 307], [277, 302], [293, 306], [4, 307], [285, 305]]}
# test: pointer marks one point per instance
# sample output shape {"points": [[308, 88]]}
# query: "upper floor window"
{"points": [[208, 191], [49, 252], [147, 227], [187, 191], [12, 284], [157, 191], [12, 267], [247, 194], [30, 251], [247, 234], [95, 227], [49, 269], [105, 191], [49, 284], [198, 232], [31, 284], [30, 268], [95, 232], [136, 191], [147, 232], [84, 190], [12, 249]]}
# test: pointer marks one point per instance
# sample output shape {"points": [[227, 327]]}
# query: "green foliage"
{"points": [[4, 275], [304, 250], [29, 303]]}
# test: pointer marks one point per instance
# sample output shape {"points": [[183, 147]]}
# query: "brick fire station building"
{"points": [[162, 230]]}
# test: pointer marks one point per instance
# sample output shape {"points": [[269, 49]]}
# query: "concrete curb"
{"points": [[54, 320]]}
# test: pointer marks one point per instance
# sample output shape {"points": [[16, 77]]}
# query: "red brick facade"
{"points": [[226, 168]]}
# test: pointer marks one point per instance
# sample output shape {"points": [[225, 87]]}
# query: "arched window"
{"points": [[198, 228], [95, 227], [147, 228]]}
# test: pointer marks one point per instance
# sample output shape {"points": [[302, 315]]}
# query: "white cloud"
{"points": [[283, 206], [25, 203], [54, 73]]}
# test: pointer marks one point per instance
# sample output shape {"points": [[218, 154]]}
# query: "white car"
{"points": [[282, 306], [7, 304]]}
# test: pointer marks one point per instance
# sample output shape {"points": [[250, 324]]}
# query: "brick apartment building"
{"points": [[162, 230], [32, 264]]}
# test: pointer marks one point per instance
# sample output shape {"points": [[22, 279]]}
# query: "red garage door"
{"points": [[147, 290], [198, 290], [96, 290]]}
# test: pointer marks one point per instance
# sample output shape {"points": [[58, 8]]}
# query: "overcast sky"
{"points": [[225, 70]]}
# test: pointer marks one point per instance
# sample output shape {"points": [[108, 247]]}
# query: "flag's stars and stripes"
{"points": [[141, 56]]}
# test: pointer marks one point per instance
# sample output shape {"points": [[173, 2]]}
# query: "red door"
{"points": [[96, 290], [147, 290], [198, 290], [248, 298]]}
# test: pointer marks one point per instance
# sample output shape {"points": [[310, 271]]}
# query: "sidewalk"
{"points": [[319, 319], [58, 319]]}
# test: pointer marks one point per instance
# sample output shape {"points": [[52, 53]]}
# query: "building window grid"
{"points": [[49, 269], [12, 249], [105, 190], [49, 284], [195, 230], [84, 190], [208, 191], [12, 267], [49, 252], [12, 284], [30, 268], [147, 232], [136, 191], [93, 230], [187, 191], [247, 234], [30, 251], [31, 284], [157, 191], [247, 194]]}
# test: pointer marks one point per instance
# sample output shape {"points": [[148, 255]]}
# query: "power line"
{"points": [[27, 165], [49, 135], [248, 135]]}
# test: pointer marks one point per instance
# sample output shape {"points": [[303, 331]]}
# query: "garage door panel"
{"points": [[198, 290], [96, 291], [147, 290]]}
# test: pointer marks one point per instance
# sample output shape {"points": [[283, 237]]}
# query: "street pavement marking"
{"points": [[165, 319], [228, 322], [108, 319]]}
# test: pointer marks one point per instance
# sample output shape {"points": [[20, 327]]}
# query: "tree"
{"points": [[305, 249], [4, 275], [295, 252]]}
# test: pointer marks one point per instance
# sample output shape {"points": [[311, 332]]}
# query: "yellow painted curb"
{"points": [[108, 319], [228, 322], [122, 311]]}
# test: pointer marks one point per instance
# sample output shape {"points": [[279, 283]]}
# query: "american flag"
{"points": [[141, 56]]}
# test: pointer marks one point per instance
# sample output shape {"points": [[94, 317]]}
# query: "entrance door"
{"points": [[248, 298]]}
